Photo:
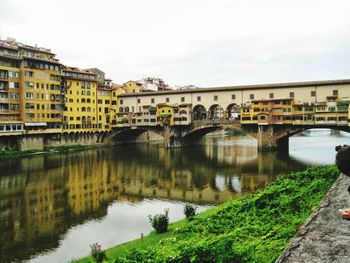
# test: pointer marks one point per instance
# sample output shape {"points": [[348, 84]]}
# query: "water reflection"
{"points": [[42, 197]]}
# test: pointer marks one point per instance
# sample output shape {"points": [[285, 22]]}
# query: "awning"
{"points": [[35, 124]]}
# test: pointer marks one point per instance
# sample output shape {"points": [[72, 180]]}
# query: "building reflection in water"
{"points": [[42, 197]]}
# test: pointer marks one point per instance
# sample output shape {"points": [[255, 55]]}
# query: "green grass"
{"points": [[255, 228]]}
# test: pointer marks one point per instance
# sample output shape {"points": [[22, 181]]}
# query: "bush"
{"points": [[160, 222], [189, 211], [97, 253]]}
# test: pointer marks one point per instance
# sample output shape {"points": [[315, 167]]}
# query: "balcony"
{"points": [[8, 55], [3, 76]]}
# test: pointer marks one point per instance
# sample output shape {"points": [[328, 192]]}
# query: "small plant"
{"points": [[190, 211], [97, 253], [160, 222]]}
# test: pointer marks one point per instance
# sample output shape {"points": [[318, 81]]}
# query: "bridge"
{"points": [[271, 113]]}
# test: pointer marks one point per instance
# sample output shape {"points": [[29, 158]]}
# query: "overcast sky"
{"points": [[200, 42]]}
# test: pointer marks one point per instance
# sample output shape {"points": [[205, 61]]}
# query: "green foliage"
{"points": [[160, 222], [255, 228], [165, 115], [189, 211], [97, 253]]}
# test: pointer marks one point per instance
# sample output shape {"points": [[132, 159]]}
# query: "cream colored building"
{"points": [[222, 102]]}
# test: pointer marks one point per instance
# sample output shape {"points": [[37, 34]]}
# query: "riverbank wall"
{"points": [[37, 141]]}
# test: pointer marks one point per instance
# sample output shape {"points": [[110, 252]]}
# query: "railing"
{"points": [[3, 54]]}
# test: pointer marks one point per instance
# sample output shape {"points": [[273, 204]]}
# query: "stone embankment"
{"points": [[325, 237]]}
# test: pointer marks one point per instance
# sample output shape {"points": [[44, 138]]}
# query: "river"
{"points": [[53, 207]]}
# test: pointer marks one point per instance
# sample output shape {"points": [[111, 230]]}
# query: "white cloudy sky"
{"points": [[199, 42]]}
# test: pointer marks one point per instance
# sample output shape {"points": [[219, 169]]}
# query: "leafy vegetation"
{"points": [[160, 222], [97, 253], [255, 228], [190, 211]]}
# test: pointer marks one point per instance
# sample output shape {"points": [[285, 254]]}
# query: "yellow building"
{"points": [[10, 92], [80, 113], [42, 94], [104, 96], [269, 111], [303, 113], [132, 87], [114, 109], [165, 114]]}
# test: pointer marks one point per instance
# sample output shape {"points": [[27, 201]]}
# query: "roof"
{"points": [[245, 87]]}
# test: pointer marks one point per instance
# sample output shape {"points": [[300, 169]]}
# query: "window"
{"points": [[198, 98], [14, 96], [271, 95], [313, 93], [29, 106], [152, 100], [29, 84], [138, 100], [100, 102], [335, 92], [251, 96], [13, 74], [182, 99], [28, 74], [233, 96], [121, 102], [13, 85], [215, 97], [29, 95], [14, 106], [166, 99], [291, 94]]}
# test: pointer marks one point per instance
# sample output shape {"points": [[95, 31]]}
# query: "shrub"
{"points": [[160, 222], [189, 211], [97, 253]]}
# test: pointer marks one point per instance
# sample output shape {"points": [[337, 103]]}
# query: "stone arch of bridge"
{"points": [[199, 112], [130, 135], [233, 112], [284, 133], [216, 112], [196, 134]]}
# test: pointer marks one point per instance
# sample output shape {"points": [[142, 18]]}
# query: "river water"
{"points": [[53, 207]]}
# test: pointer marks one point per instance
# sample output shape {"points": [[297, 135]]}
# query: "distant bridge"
{"points": [[271, 113]]}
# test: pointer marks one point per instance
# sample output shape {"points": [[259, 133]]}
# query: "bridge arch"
{"points": [[284, 133], [130, 135], [216, 112], [199, 112], [233, 111]]}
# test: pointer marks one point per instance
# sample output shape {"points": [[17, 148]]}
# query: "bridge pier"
{"points": [[268, 139]]}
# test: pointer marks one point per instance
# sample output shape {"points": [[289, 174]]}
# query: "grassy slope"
{"points": [[255, 228]]}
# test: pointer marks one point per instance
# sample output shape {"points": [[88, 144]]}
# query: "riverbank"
{"points": [[48, 150], [255, 228], [325, 236]]}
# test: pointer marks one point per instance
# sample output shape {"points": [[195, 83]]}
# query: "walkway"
{"points": [[325, 237]]}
